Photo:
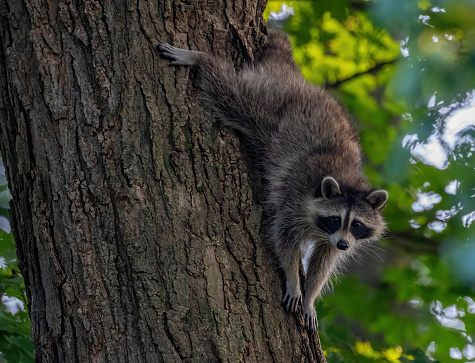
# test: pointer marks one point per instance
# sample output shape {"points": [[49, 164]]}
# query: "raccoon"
{"points": [[308, 156]]}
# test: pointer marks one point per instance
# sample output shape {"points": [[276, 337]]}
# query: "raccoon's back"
{"points": [[289, 108], [306, 137]]}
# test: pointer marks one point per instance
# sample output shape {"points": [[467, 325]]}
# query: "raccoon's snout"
{"points": [[342, 245]]}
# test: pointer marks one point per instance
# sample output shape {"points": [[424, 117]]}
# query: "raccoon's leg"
{"points": [[320, 267], [286, 245], [178, 56], [224, 92], [293, 294]]}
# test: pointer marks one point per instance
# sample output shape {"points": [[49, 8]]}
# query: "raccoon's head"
{"points": [[348, 217]]}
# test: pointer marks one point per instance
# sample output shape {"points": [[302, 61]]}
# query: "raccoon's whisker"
{"points": [[366, 256], [372, 253], [322, 245], [378, 257], [356, 251], [366, 247], [322, 235], [360, 235], [326, 228], [359, 259], [375, 245], [377, 248], [323, 240], [355, 256]]}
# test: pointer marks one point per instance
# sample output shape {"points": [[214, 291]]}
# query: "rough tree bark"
{"points": [[137, 232]]}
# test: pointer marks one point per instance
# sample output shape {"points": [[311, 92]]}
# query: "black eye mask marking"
{"points": [[359, 230], [329, 224]]}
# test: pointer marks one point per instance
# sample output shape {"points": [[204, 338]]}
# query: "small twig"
{"points": [[410, 242], [376, 68]]}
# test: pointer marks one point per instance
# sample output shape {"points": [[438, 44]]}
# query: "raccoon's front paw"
{"points": [[178, 56], [292, 301], [310, 319]]}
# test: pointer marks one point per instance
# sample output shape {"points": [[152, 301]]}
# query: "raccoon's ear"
{"points": [[330, 188], [377, 199]]}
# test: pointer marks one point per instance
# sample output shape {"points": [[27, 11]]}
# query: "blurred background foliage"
{"points": [[15, 341], [406, 71]]}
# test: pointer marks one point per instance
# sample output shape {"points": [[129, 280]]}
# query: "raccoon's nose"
{"points": [[342, 245]]}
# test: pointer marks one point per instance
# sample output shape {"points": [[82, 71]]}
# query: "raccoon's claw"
{"points": [[178, 56], [310, 320], [292, 302]]}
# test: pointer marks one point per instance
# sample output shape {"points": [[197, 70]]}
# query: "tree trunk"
{"points": [[137, 232]]}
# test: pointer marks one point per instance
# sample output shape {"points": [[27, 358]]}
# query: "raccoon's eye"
{"points": [[329, 224], [359, 230], [357, 224], [335, 220]]}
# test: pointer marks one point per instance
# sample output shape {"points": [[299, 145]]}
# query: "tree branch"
{"points": [[412, 243], [376, 68]]}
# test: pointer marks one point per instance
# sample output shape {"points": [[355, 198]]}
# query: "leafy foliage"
{"points": [[406, 71], [15, 341]]}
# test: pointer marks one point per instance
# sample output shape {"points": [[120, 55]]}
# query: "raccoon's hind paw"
{"points": [[310, 319], [292, 302], [178, 56]]}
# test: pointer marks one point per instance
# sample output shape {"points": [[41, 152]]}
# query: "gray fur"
{"points": [[309, 158]]}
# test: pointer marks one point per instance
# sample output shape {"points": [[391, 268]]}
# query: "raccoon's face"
{"points": [[346, 220]]}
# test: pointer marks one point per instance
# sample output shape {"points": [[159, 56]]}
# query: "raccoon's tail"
{"points": [[277, 49]]}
